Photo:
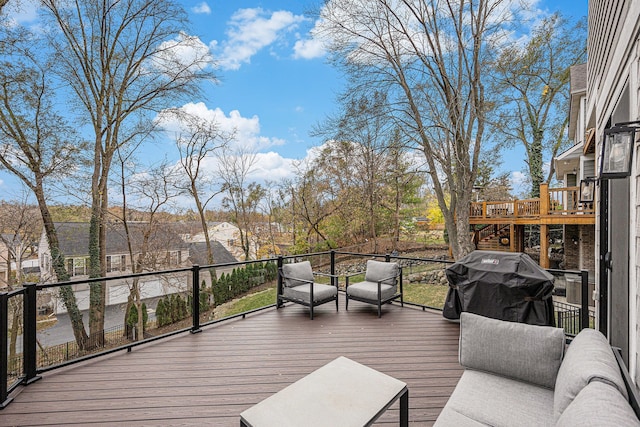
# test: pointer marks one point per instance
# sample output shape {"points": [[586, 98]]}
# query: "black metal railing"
{"points": [[34, 358]]}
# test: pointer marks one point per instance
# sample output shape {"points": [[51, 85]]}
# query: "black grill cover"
{"points": [[502, 285]]}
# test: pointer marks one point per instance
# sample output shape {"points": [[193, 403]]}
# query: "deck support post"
{"points": [[544, 246]]}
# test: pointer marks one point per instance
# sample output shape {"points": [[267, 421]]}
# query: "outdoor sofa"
{"points": [[525, 375]]}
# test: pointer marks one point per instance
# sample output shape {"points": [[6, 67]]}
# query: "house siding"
{"points": [[613, 84]]}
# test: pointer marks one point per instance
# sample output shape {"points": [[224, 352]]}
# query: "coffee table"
{"points": [[341, 393]]}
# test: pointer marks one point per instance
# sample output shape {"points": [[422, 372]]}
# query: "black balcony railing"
{"points": [[21, 310]]}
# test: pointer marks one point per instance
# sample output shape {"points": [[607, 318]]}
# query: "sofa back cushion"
{"points": [[514, 350], [385, 271], [298, 273], [598, 404], [589, 357]]}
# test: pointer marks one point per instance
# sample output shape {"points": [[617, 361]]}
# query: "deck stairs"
{"points": [[488, 237]]}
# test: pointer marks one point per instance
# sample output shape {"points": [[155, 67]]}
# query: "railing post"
{"points": [[280, 262], [544, 199], [333, 267], [584, 303], [195, 299], [29, 334], [387, 258], [4, 342]]}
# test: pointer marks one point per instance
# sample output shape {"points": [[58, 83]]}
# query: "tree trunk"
{"points": [[62, 275]]}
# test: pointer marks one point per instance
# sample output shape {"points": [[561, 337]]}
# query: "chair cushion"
{"points": [[369, 290], [588, 357], [516, 350], [599, 404], [377, 270], [303, 292], [492, 400], [296, 274]]}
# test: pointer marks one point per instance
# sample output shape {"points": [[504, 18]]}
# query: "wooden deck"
{"points": [[211, 377]]}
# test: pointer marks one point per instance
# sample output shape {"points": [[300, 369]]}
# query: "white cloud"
{"points": [[308, 49], [184, 50], [272, 166], [251, 30], [245, 130], [202, 8]]}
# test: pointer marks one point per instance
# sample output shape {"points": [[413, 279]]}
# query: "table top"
{"points": [[341, 393]]}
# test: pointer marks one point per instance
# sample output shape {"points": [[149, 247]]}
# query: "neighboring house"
{"points": [[28, 262], [227, 234], [613, 96], [166, 250], [571, 167], [198, 255]]}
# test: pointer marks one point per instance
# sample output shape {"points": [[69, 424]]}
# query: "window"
{"points": [[77, 266], [116, 263]]}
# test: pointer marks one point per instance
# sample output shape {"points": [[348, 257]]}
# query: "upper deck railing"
{"points": [[551, 203]]}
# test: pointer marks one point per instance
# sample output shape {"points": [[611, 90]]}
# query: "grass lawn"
{"points": [[425, 294], [249, 302]]}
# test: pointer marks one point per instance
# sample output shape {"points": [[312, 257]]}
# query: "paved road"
{"points": [[61, 332]]}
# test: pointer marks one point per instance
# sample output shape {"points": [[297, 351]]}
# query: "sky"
{"points": [[275, 83]]}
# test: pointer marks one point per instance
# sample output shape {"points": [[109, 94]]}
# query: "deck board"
{"points": [[209, 378]]}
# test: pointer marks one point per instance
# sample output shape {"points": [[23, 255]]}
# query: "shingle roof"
{"points": [[198, 253], [73, 238]]}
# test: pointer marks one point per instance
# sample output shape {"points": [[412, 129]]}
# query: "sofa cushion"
{"points": [[497, 401], [297, 274], [369, 290], [588, 357], [598, 404], [378, 270], [515, 350], [451, 418], [303, 292]]}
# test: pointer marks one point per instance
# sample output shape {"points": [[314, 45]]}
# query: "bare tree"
{"points": [[242, 196], [431, 58], [197, 141], [20, 227], [123, 61], [152, 191]]}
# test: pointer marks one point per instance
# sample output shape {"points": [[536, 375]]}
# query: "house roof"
{"points": [[578, 83], [569, 160], [198, 253], [73, 238]]}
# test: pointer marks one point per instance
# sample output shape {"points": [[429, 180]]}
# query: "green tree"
{"points": [[37, 145], [534, 80]]}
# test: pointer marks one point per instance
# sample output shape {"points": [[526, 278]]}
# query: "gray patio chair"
{"points": [[297, 285], [380, 285]]}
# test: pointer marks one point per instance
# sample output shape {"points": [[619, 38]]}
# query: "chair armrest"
{"points": [[354, 274], [334, 277], [524, 352], [295, 278], [388, 278]]}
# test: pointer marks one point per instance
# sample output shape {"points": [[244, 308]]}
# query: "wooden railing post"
{"points": [[484, 209], [544, 199]]}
